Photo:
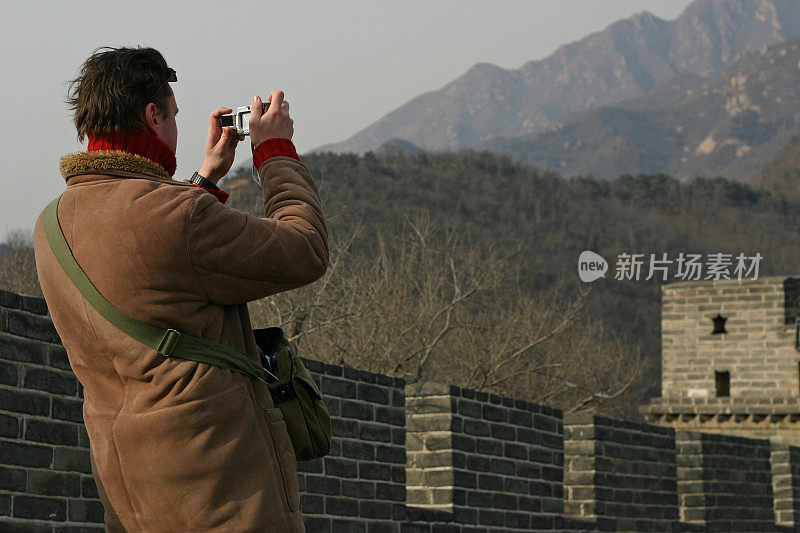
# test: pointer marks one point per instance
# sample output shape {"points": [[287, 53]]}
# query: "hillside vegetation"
{"points": [[462, 267], [490, 200]]}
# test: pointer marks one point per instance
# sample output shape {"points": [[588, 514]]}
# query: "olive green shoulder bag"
{"points": [[291, 385]]}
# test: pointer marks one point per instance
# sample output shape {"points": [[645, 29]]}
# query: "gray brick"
{"points": [[390, 415], [315, 466], [494, 413], [488, 447], [9, 373], [57, 356], [504, 501], [340, 467], [488, 517], [51, 483], [490, 482], [477, 427], [357, 409], [375, 510], [317, 524], [18, 401], [390, 491], [358, 450], [68, 409], [89, 487], [32, 326], [469, 409], [9, 300], [390, 454], [13, 479], [85, 511], [9, 426], [374, 471], [399, 436], [338, 387], [374, 432], [68, 459], [51, 381], [503, 466], [311, 504], [503, 432], [341, 427], [478, 463], [358, 489], [42, 508], [51, 432], [25, 454], [22, 349], [5, 505], [83, 437], [33, 304], [374, 394], [341, 506]]}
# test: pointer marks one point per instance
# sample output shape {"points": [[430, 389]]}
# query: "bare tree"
{"points": [[433, 305], [18, 265]]}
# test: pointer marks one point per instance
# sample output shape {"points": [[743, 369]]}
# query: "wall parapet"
{"points": [[413, 458]]}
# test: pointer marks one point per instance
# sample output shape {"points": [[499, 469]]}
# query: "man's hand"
{"points": [[220, 148], [275, 122]]}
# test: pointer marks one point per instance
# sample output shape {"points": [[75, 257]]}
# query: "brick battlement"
{"points": [[413, 458], [743, 379]]}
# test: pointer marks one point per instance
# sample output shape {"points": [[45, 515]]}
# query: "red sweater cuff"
{"points": [[221, 195], [273, 148]]}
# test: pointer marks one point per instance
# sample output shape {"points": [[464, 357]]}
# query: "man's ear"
{"points": [[152, 117]]}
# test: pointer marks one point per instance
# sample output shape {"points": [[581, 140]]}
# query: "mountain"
{"points": [[782, 174], [627, 59], [731, 124], [397, 146]]}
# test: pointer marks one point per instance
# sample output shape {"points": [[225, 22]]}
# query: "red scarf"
{"points": [[139, 142]]}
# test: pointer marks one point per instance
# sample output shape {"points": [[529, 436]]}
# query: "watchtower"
{"points": [[730, 355]]}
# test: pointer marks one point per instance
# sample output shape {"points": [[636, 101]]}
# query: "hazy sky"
{"points": [[342, 65]]}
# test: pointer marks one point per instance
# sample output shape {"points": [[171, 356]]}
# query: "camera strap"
{"points": [[167, 342], [253, 168]]}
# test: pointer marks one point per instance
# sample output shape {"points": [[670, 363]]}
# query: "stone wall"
{"points": [[363, 480], [45, 474], [745, 381], [623, 475], [725, 481], [484, 460], [758, 349], [417, 458]]}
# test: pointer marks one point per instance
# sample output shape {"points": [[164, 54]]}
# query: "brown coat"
{"points": [[180, 446]]}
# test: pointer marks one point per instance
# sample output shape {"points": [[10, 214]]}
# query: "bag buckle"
{"points": [[168, 342], [282, 393]]}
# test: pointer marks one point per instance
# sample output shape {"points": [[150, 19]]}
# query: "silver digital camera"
{"points": [[240, 120]]}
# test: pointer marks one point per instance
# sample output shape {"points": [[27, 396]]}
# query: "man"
{"points": [[176, 445]]}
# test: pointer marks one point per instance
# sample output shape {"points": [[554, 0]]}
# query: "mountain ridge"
{"points": [[731, 124], [626, 59]]}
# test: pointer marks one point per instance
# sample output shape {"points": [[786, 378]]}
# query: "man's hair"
{"points": [[114, 87]]}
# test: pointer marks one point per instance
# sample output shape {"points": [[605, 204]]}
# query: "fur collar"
{"points": [[109, 161]]}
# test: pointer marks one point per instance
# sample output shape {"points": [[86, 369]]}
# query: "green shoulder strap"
{"points": [[168, 342]]}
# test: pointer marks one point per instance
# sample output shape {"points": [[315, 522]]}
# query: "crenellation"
{"points": [[431, 457]]}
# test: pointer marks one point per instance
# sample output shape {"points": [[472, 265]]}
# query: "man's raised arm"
{"points": [[239, 257]]}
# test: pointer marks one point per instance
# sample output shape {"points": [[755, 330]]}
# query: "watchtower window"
{"points": [[791, 299], [719, 324], [723, 383]]}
